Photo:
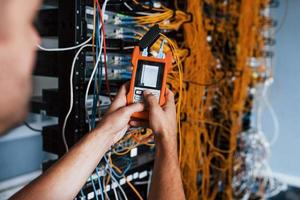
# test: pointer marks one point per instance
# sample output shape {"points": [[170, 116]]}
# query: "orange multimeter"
{"points": [[149, 73]]}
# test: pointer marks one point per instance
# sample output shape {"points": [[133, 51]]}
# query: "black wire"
{"points": [[31, 128]]}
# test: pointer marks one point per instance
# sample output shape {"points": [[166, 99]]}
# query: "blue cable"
{"points": [[99, 72], [100, 184], [82, 194], [128, 166], [99, 43], [129, 36], [94, 109], [127, 17], [128, 23], [92, 119], [115, 173], [94, 188]]}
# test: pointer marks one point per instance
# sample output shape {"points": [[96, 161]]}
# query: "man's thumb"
{"points": [[150, 99]]}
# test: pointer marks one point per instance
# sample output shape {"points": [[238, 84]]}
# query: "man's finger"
{"points": [[123, 90], [150, 99], [132, 108], [120, 99], [170, 102], [169, 97]]}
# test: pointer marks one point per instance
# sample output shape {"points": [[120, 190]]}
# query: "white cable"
{"points": [[131, 9], [274, 118], [144, 13], [71, 81], [71, 95], [115, 192], [269, 106], [119, 194], [141, 182], [90, 81], [116, 48], [149, 183], [264, 98], [96, 65], [66, 48], [114, 179], [123, 192]]}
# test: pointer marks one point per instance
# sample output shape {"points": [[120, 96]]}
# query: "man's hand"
{"points": [[162, 120], [79, 163], [116, 120]]}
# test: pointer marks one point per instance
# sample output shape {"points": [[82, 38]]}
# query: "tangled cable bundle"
{"points": [[218, 77], [212, 77], [220, 61]]}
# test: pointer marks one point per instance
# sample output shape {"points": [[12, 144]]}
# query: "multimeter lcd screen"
{"points": [[149, 75]]}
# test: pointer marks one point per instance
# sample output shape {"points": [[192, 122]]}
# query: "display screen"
{"points": [[149, 76]]}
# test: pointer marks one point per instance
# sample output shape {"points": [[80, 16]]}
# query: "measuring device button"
{"points": [[139, 92], [138, 98]]}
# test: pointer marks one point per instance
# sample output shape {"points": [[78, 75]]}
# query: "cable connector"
{"points": [[161, 49], [150, 37], [145, 52]]}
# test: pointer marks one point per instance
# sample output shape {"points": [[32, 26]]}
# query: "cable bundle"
{"points": [[218, 77], [134, 137], [220, 61]]}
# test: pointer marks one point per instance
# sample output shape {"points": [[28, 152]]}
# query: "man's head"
{"points": [[18, 40]]}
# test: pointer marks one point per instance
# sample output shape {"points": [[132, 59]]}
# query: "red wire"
{"points": [[104, 51]]}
